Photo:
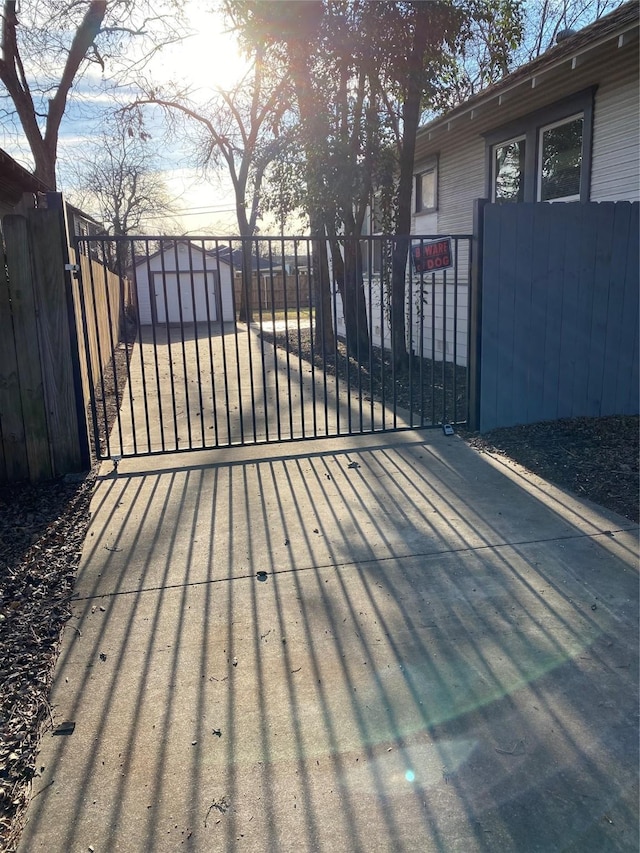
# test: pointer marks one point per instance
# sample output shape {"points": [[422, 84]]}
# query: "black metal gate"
{"points": [[206, 342]]}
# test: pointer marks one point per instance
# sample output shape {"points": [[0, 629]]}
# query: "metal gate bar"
{"points": [[186, 349]]}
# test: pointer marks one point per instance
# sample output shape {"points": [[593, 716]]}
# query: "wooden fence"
{"points": [[101, 319], [44, 381], [559, 330], [275, 291]]}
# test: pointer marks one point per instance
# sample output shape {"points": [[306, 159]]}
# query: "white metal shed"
{"points": [[182, 282]]}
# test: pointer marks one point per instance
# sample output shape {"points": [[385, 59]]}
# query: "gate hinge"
{"points": [[73, 268]]}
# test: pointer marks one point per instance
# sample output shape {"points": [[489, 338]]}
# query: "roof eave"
{"points": [[530, 75]]}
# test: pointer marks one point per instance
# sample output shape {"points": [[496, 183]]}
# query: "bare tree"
{"points": [[48, 47], [118, 179], [484, 51], [241, 130], [544, 19]]}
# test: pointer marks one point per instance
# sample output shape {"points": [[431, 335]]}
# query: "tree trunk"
{"points": [[246, 294], [410, 119], [348, 276], [323, 330], [45, 165], [246, 300], [398, 298], [323, 339]]}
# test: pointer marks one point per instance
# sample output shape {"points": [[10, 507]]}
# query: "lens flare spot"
{"points": [[410, 776]]}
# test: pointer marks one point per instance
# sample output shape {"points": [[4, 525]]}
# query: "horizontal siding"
{"points": [[442, 338], [616, 142], [615, 168], [444, 325], [601, 65], [425, 223], [460, 181]]}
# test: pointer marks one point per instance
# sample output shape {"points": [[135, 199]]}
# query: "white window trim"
{"points": [[521, 138], [541, 130], [581, 104], [425, 170]]}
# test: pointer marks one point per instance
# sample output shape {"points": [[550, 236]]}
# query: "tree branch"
{"points": [[82, 41]]}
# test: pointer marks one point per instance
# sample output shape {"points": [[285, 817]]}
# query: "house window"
{"points": [[560, 160], [426, 188], [545, 156], [508, 171]]}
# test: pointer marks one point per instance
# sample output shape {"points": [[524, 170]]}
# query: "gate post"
{"points": [[58, 332], [475, 314]]}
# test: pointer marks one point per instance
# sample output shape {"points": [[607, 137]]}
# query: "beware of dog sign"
{"points": [[432, 255]]}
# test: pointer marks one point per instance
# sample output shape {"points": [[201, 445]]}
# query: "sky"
{"points": [[206, 59]]}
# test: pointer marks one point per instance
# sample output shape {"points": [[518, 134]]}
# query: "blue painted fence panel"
{"points": [[560, 312]]}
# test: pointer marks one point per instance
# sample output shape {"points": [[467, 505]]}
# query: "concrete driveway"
{"points": [[213, 386], [441, 656]]}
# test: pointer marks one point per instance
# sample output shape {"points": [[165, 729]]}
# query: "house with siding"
{"points": [[564, 127], [553, 149]]}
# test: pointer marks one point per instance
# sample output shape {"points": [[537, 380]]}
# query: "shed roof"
{"points": [[169, 245]]}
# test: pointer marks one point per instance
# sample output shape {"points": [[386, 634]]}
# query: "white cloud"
{"points": [[209, 58]]}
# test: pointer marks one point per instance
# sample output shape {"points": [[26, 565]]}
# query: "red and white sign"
{"points": [[432, 255]]}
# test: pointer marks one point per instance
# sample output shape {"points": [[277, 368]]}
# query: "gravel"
{"points": [[595, 458], [42, 529]]}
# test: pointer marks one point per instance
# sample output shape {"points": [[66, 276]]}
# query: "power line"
{"points": [[189, 212]]}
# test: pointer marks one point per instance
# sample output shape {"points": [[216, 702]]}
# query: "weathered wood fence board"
{"points": [[275, 292], [24, 311], [55, 338], [15, 465], [560, 305], [42, 405], [100, 319]]}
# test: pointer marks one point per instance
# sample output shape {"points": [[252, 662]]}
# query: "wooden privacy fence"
{"points": [[44, 380], [559, 302], [275, 291], [101, 334]]}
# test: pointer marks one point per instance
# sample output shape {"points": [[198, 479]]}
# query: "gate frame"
{"points": [[465, 278], [474, 362]]}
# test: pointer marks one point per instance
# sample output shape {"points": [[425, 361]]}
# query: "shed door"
{"points": [[194, 292]]}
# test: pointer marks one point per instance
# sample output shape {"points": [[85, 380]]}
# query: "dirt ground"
{"points": [[42, 529], [595, 458]]}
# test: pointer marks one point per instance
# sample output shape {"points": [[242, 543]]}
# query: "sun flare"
{"points": [[207, 60]]}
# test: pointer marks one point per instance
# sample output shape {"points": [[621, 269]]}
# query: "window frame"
{"points": [[520, 138], [530, 127], [541, 131], [419, 208]]}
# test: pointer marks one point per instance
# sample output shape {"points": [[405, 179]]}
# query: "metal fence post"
{"points": [[475, 314]]}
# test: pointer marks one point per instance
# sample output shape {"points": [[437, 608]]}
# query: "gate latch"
{"points": [[72, 268]]}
